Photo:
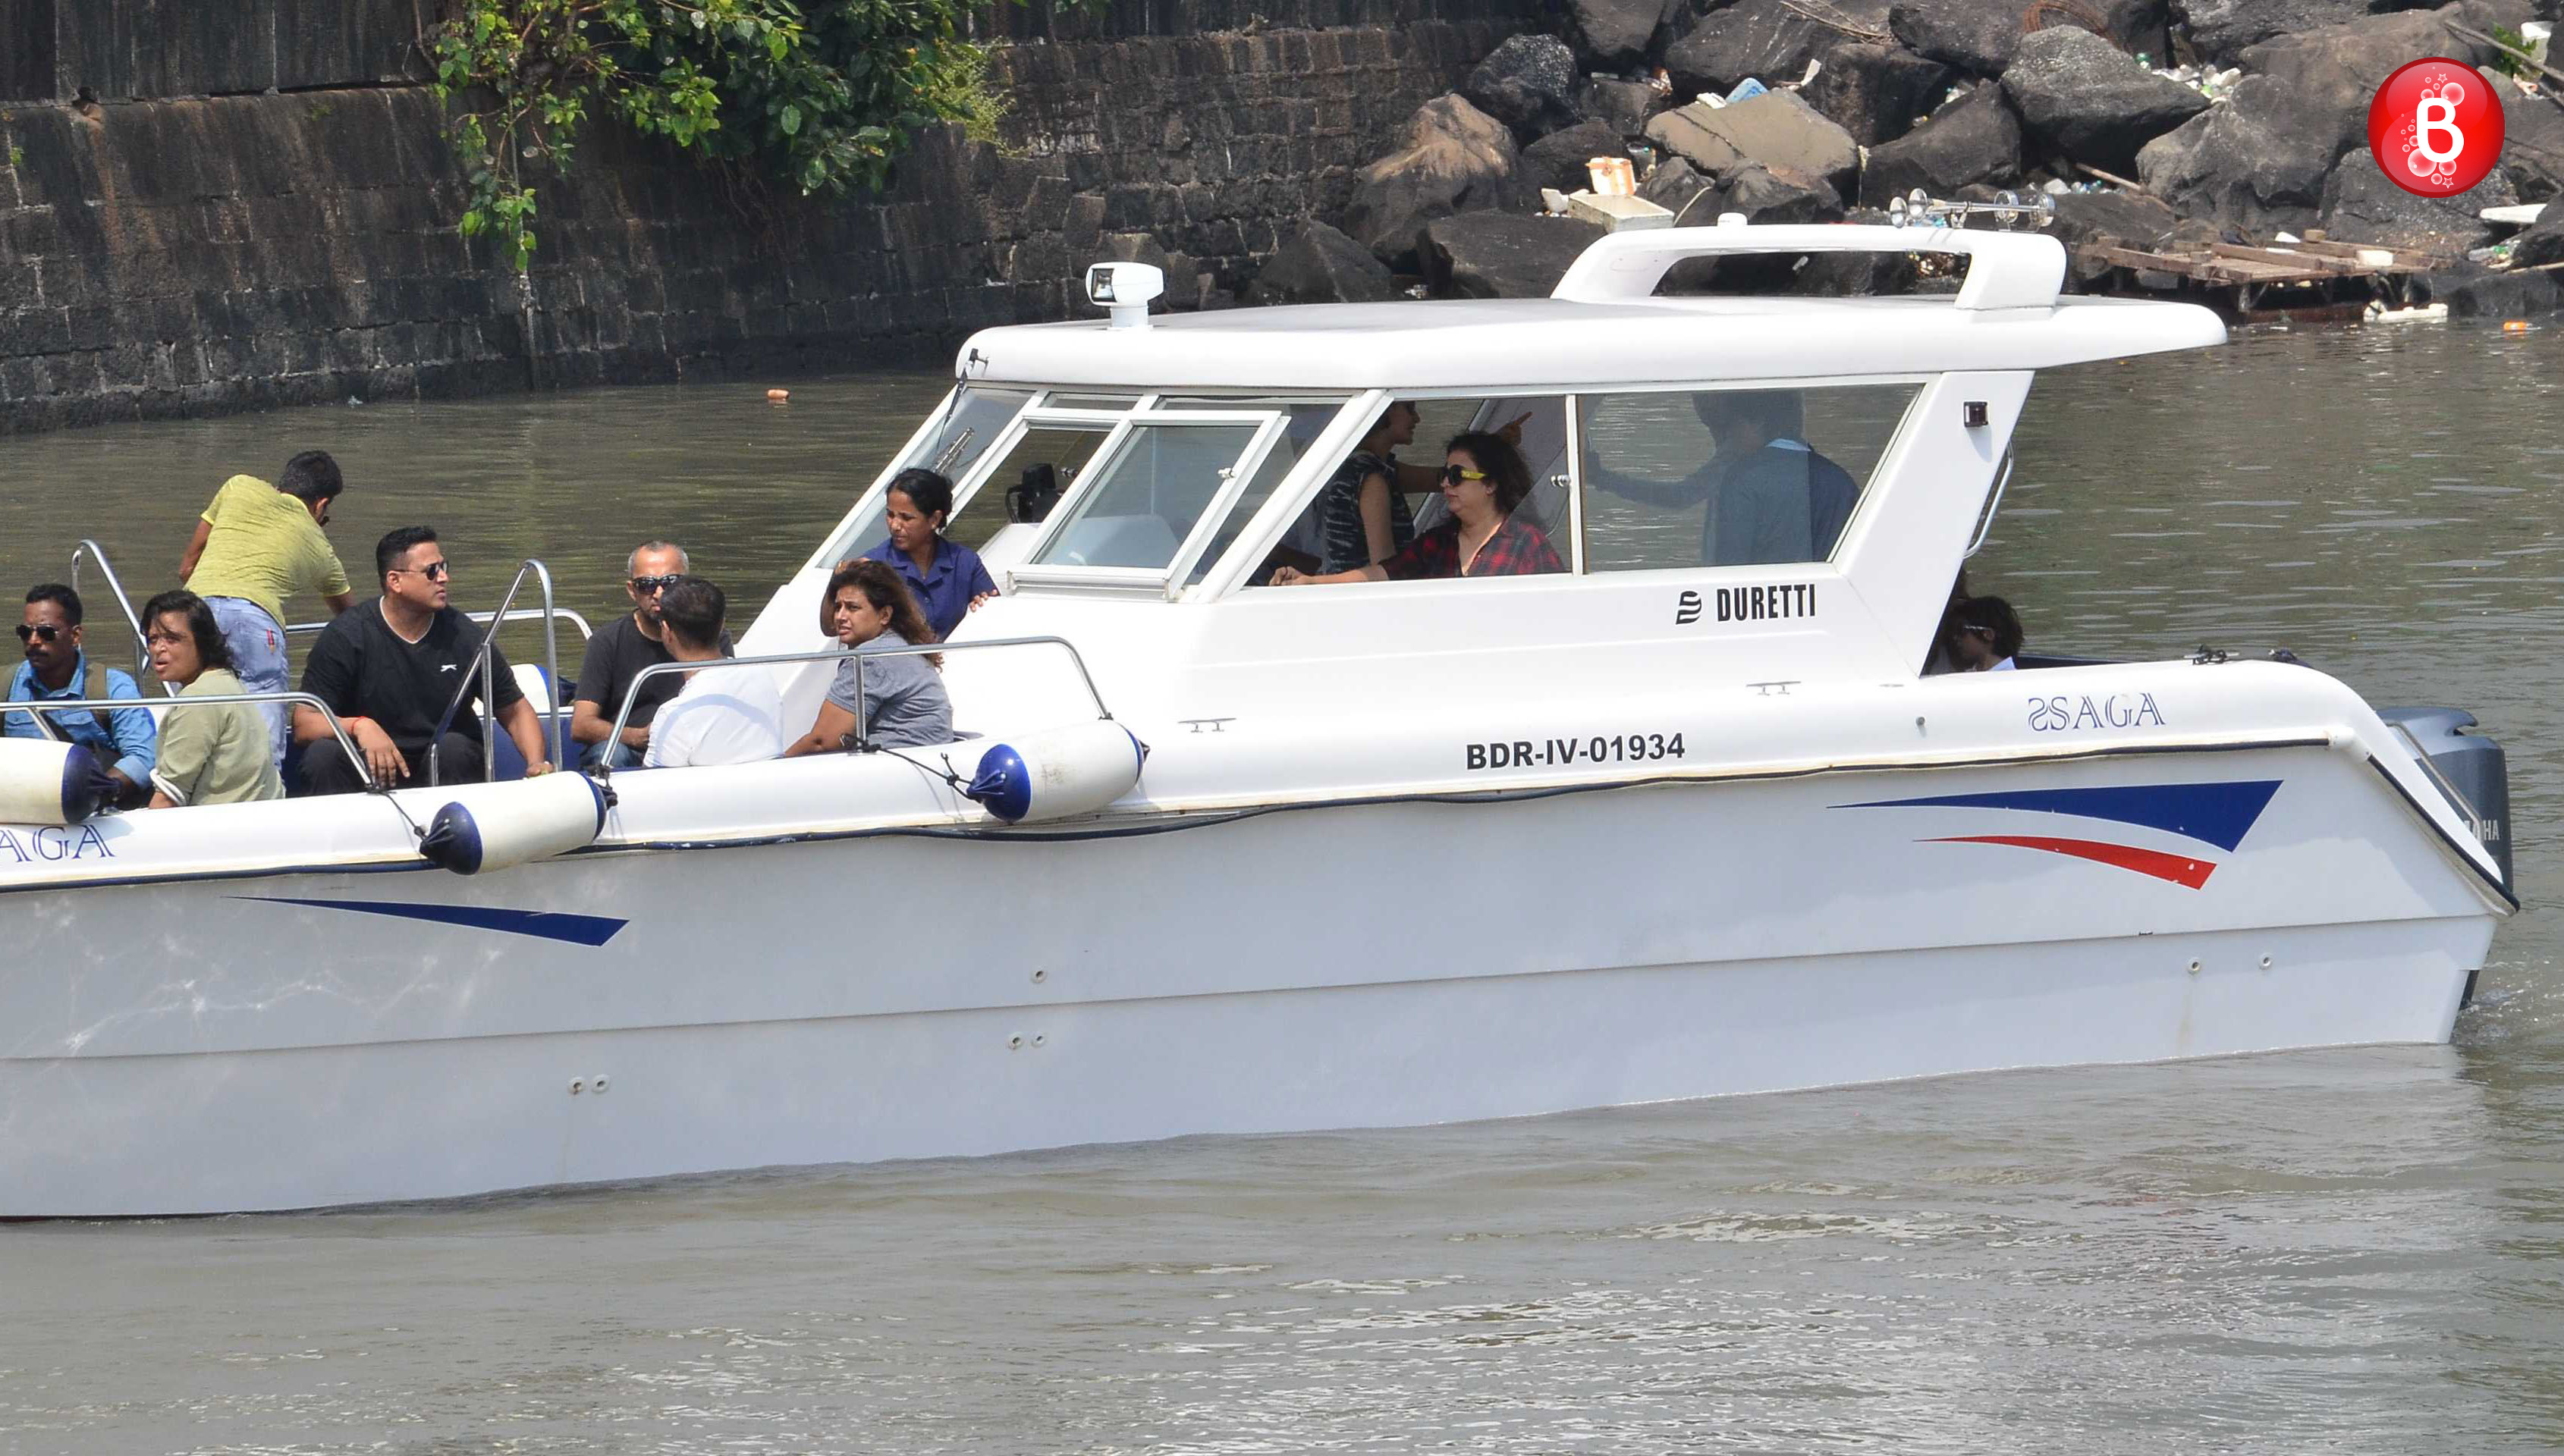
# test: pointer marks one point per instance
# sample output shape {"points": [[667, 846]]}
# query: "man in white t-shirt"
{"points": [[722, 714]]}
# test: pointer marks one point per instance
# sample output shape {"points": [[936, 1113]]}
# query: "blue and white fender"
{"points": [[46, 782], [1058, 772], [496, 826]]}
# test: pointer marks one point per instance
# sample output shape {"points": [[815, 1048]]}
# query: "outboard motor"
{"points": [[1057, 773], [46, 782], [2472, 764], [495, 826]]}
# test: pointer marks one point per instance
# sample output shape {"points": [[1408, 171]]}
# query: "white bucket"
{"points": [[496, 826], [1059, 772], [46, 782]]}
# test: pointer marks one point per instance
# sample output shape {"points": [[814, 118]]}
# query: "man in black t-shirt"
{"points": [[388, 669], [620, 650]]}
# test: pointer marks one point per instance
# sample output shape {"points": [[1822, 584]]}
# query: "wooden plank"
{"points": [[2333, 263]]}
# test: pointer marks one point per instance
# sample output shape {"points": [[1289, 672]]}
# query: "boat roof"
{"points": [[1604, 328]]}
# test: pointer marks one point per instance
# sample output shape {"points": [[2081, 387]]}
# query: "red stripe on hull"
{"points": [[2179, 868]]}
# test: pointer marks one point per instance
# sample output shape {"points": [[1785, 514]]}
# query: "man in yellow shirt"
{"points": [[254, 545]]}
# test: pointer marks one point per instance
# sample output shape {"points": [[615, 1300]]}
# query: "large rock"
{"points": [[1500, 254], [1975, 36], [1624, 104], [1766, 196], [2363, 205], [2132, 218], [2085, 98], [2533, 144], [1322, 266], [1617, 35], [2334, 71], [1528, 84], [1456, 159], [1558, 159], [2220, 30], [2472, 292], [1973, 140], [1777, 130], [1772, 40], [1877, 93], [2542, 246], [1674, 184], [2258, 160]]}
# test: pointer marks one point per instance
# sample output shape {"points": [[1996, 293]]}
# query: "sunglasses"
{"points": [[1454, 475], [648, 584], [433, 571], [48, 632]]}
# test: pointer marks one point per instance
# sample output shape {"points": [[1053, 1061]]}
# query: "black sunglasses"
{"points": [[48, 632], [648, 584], [433, 571], [1454, 475]]}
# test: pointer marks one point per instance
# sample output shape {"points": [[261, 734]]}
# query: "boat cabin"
{"points": [[1136, 483]]}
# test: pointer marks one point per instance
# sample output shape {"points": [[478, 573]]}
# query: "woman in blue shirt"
{"points": [[944, 575]]}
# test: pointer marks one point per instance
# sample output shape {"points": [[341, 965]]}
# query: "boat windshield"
{"points": [[1156, 485], [969, 420]]}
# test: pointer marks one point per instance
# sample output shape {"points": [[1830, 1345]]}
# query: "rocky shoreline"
{"points": [[2157, 123]]}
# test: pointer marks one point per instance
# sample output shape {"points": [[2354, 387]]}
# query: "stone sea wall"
{"points": [[232, 204]]}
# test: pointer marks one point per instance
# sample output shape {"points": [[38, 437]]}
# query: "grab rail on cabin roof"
{"points": [[97, 554], [2005, 270], [43, 713], [604, 768], [483, 666]]}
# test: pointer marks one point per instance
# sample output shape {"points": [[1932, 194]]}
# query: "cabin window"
{"points": [[1046, 461], [1728, 477], [960, 434], [1147, 496], [1302, 423]]}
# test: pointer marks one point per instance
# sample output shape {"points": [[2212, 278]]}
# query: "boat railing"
{"points": [[633, 694], [94, 552], [522, 614], [2455, 796], [484, 666], [1993, 504], [42, 711]]}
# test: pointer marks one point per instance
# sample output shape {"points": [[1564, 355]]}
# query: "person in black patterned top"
{"points": [[1362, 516]]}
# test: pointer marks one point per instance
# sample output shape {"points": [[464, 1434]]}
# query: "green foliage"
{"points": [[824, 99], [2507, 63]]}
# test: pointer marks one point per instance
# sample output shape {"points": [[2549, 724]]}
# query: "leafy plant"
{"points": [[2510, 55], [822, 100]]}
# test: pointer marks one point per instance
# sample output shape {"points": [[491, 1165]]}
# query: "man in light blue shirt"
{"points": [[124, 738]]}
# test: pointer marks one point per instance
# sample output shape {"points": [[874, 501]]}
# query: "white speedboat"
{"points": [[1339, 856]]}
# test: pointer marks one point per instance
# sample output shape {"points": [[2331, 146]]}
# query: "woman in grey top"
{"points": [[902, 703]]}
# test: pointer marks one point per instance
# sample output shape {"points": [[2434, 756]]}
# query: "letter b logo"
{"points": [[2434, 128]]}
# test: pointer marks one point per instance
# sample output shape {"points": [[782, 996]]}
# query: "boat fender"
{"points": [[496, 826], [46, 782], [1058, 772]]}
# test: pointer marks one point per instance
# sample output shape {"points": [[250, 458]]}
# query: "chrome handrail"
{"points": [[1985, 523], [43, 709], [107, 568], [527, 614], [2455, 796], [484, 664], [633, 694]]}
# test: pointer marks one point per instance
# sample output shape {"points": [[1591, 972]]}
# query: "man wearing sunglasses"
{"points": [[389, 670], [57, 667], [620, 650]]}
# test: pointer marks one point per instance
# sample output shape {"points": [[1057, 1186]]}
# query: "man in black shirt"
{"points": [[620, 650], [390, 668]]}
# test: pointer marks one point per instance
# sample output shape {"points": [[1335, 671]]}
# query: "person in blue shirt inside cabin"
{"points": [[1772, 497], [943, 574], [124, 738]]}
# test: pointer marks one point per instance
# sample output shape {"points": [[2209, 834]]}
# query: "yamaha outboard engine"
{"points": [[2472, 766]]}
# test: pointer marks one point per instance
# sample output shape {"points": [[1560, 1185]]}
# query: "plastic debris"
{"points": [[1746, 90]]}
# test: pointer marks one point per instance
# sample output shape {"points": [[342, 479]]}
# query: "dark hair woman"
{"points": [[1984, 635], [1484, 476], [215, 753], [946, 576], [900, 701]]}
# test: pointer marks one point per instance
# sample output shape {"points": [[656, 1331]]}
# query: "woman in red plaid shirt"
{"points": [[1483, 479]]}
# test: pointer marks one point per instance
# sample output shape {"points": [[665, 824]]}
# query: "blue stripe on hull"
{"points": [[575, 929], [2217, 813]]}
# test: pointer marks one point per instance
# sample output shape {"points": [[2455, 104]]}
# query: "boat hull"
{"points": [[834, 1001]]}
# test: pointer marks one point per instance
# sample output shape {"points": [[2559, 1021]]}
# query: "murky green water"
{"points": [[2346, 1251]]}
